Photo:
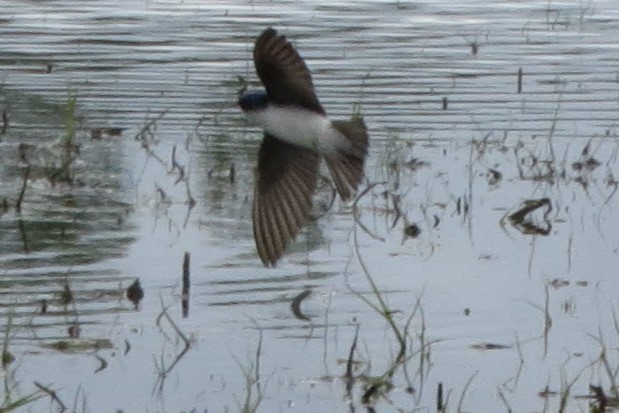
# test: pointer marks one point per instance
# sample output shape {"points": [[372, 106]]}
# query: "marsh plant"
{"points": [[60, 156], [12, 400], [54, 161]]}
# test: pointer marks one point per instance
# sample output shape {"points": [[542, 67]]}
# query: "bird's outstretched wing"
{"points": [[283, 72], [285, 182]]}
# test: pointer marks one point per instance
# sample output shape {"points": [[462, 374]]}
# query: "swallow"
{"points": [[297, 137]]}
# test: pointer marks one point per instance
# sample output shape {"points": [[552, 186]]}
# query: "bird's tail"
{"points": [[346, 164]]}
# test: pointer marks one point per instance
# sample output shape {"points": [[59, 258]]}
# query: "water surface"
{"points": [[502, 313]]}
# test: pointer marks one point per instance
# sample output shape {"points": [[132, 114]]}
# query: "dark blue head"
{"points": [[253, 100]]}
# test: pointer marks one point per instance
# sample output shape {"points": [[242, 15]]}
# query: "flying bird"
{"points": [[297, 136]]}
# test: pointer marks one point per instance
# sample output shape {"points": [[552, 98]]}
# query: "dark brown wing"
{"points": [[285, 183], [283, 72]]}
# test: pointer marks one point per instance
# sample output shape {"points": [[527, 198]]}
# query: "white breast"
{"points": [[297, 126]]}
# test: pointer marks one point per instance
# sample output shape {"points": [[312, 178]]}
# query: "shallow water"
{"points": [[500, 312]]}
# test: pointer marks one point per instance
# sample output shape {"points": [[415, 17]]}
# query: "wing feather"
{"points": [[285, 182], [283, 72]]}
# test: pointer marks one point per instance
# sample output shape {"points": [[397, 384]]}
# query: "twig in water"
{"points": [[424, 348], [514, 380], [51, 394], [22, 192], [603, 360], [251, 402], [103, 364], [521, 219], [295, 306], [148, 125], [464, 390], [440, 404], [182, 177], [161, 192], [504, 399], [186, 285], [176, 165], [381, 308], [566, 388], [355, 211], [162, 370], [553, 127], [348, 377], [547, 318], [7, 357], [5, 122], [258, 354], [147, 132]]}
